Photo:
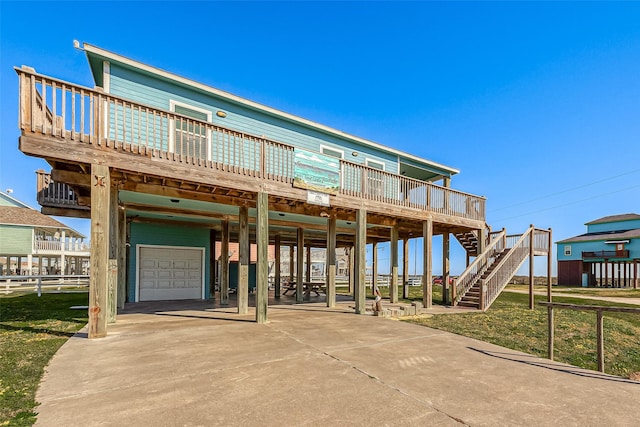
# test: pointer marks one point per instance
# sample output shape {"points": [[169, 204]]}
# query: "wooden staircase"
{"points": [[469, 241], [485, 278], [472, 297]]}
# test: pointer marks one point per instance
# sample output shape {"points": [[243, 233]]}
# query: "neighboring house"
{"points": [[606, 255], [32, 243], [171, 171]]}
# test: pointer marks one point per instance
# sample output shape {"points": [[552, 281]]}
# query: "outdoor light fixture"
{"points": [[221, 114], [354, 154]]}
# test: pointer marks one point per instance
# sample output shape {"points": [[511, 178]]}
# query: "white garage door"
{"points": [[169, 273]]}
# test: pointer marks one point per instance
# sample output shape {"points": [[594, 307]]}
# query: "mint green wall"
{"points": [[15, 240], [152, 91], [165, 235]]}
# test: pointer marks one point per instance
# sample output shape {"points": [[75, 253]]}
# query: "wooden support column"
{"points": [[331, 262], [352, 270], [427, 285], [299, 266], [122, 257], [405, 268], [291, 263], [113, 254], [224, 263], [532, 233], [212, 264], [262, 270], [360, 260], [98, 275], [393, 262], [244, 248], [374, 266], [635, 274], [277, 280], [550, 266], [307, 270], [446, 268]]}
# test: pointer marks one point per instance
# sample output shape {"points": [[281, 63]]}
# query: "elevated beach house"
{"points": [[165, 167], [32, 243], [606, 255]]}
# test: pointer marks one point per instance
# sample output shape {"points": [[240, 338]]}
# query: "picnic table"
{"points": [[307, 287]]}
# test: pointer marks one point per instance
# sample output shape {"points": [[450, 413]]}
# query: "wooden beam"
{"points": [[278, 261], [244, 258], [299, 265], [224, 263], [307, 272], [262, 270], [531, 272], [331, 262], [360, 260], [374, 266], [393, 255], [446, 269], [405, 267], [122, 257], [213, 273], [427, 285], [113, 254], [98, 274]]}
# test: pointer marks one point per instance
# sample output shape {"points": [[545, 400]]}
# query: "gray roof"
{"points": [[604, 235], [14, 215], [614, 218]]}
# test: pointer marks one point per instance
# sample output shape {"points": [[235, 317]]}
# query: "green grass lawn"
{"points": [[510, 323], [32, 329]]}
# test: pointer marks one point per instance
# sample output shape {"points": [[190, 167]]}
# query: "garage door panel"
{"points": [[170, 273]]}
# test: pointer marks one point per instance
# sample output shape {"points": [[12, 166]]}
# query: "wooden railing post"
{"points": [[263, 159], [531, 272], [483, 291], [600, 337], [551, 332]]}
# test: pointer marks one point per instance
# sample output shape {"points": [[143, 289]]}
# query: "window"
{"points": [[328, 151], [190, 137], [375, 181], [567, 250]]}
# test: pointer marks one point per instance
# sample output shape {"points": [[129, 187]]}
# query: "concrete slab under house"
{"points": [[173, 172], [606, 255]]}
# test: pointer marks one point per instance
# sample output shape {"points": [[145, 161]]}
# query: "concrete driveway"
{"points": [[195, 364]]}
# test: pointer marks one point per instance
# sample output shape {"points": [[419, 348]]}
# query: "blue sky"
{"points": [[537, 104]]}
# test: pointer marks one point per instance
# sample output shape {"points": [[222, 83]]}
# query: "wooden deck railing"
{"points": [[599, 324], [55, 108], [520, 247], [606, 254], [468, 278], [58, 246]]}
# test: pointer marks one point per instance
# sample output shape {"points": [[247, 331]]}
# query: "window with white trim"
{"points": [[190, 137], [567, 250], [333, 152]]}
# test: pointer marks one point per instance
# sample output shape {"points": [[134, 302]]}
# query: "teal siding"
{"points": [[165, 235], [613, 226], [578, 247], [15, 240], [148, 90]]}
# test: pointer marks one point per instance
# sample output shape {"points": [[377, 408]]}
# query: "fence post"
{"points": [[39, 286], [550, 331], [600, 336]]}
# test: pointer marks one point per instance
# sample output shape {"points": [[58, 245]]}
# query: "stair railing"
{"points": [[494, 283], [472, 273]]}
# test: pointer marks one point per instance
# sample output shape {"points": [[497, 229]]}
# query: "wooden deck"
{"points": [[155, 151]]}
